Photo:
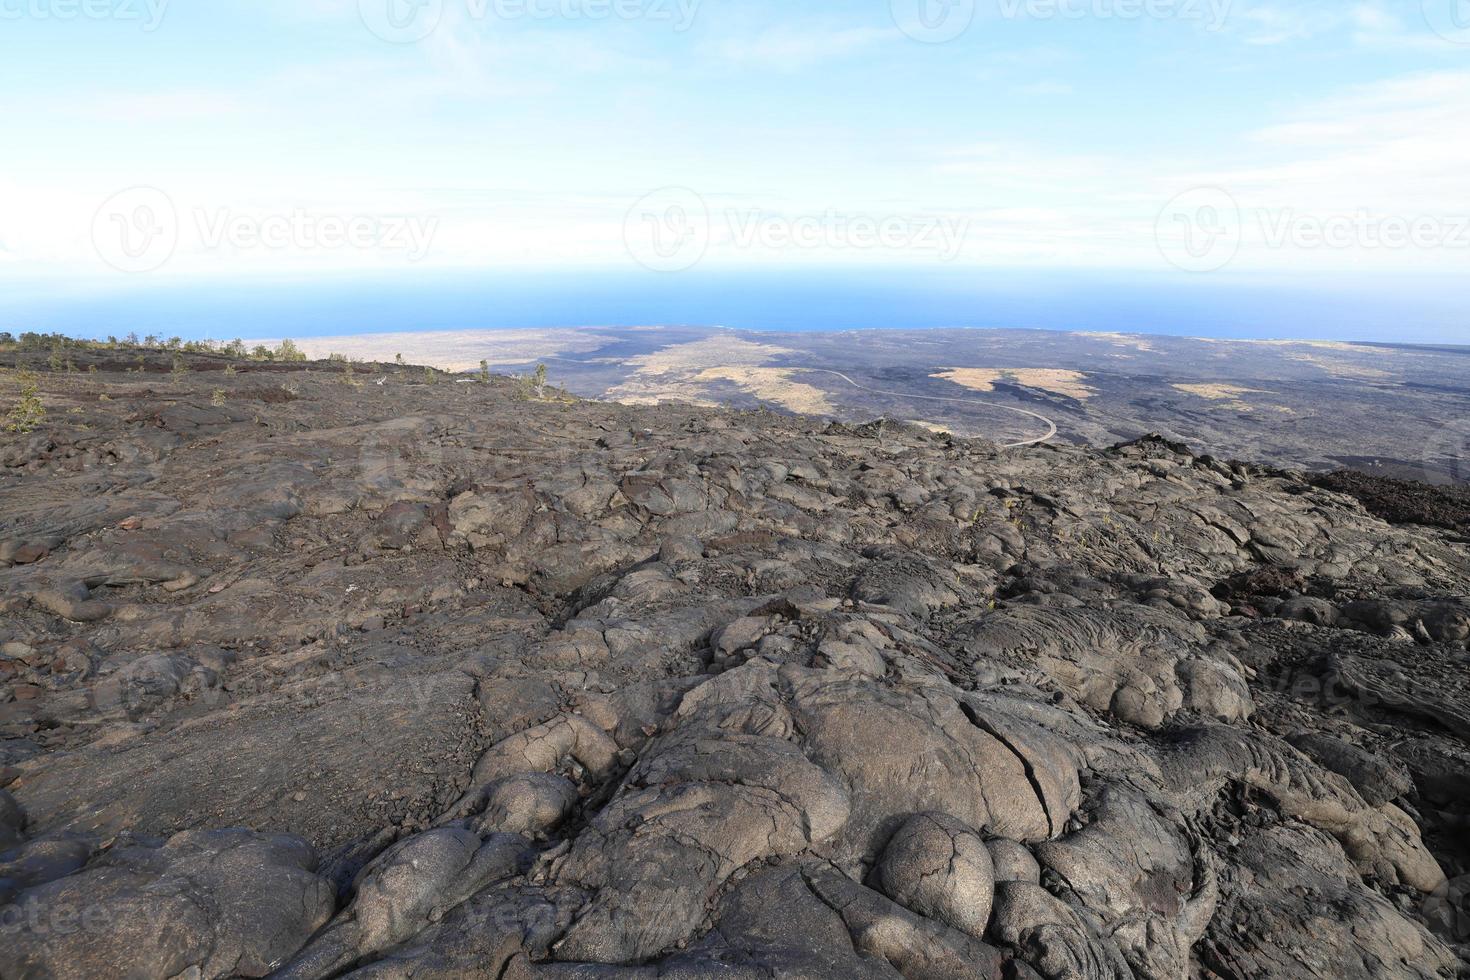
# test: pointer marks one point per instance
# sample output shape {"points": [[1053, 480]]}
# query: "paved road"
{"points": [[1050, 425]]}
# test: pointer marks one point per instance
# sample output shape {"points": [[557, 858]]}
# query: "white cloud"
{"points": [[1400, 144], [791, 48], [1272, 24], [1391, 151], [1375, 26], [1367, 24]]}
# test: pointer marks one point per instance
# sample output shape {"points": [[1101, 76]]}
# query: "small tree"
{"points": [[288, 351], [398, 358], [484, 372], [28, 412], [430, 376], [180, 368]]}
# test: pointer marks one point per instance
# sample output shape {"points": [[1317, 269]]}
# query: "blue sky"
{"points": [[834, 134]]}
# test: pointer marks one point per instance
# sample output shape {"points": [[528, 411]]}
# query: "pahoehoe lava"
{"points": [[306, 676]]}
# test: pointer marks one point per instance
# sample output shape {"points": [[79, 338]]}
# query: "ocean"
{"points": [[1402, 309]]}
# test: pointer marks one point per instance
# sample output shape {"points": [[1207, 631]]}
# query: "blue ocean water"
{"points": [[1401, 309]]}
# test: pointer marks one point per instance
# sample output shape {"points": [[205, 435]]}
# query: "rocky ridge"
{"points": [[317, 670]]}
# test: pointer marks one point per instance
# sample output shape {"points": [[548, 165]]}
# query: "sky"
{"points": [[148, 143]]}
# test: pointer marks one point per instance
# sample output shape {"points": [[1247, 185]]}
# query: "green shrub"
{"points": [[28, 413], [288, 351]]}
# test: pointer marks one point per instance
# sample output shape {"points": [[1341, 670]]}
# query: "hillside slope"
{"points": [[315, 671], [1389, 409]]}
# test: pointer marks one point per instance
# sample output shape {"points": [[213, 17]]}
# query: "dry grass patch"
{"points": [[1055, 380]]}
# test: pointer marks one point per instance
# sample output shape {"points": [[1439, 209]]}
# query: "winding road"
{"points": [[1050, 425]]}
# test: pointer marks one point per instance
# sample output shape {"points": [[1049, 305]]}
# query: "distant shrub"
{"points": [[28, 413], [288, 351], [532, 385]]}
